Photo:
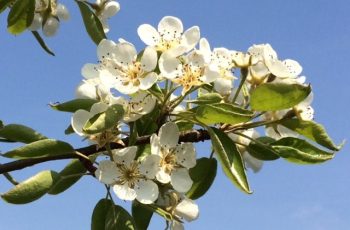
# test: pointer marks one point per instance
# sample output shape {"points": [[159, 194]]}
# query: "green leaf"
{"points": [[208, 98], [98, 219], [21, 16], [141, 215], [229, 158], [222, 113], [119, 218], [42, 148], [299, 151], [105, 120], [42, 43], [277, 96], [1, 124], [184, 125], [147, 124], [156, 91], [202, 175], [74, 105], [68, 177], [30, 189], [4, 4], [20, 133], [69, 130], [143, 151], [133, 133], [261, 149], [92, 24], [313, 131]]}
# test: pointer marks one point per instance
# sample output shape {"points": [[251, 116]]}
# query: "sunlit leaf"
{"points": [[41, 148], [74, 105], [21, 16], [68, 177], [30, 189], [118, 218], [105, 120], [277, 96], [300, 151], [208, 98], [92, 24], [313, 131], [222, 113], [229, 158], [20, 133], [260, 149]]}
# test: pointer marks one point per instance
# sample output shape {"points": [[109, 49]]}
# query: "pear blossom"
{"points": [[179, 206], [169, 36], [303, 110], [106, 9], [176, 158], [52, 13], [130, 179], [189, 71], [249, 160], [265, 62], [221, 60], [120, 69]]}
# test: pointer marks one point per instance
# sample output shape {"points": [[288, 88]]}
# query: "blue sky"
{"points": [[286, 196]]}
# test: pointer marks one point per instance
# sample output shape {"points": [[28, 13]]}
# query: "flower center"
{"points": [[191, 76], [164, 45], [168, 161], [130, 174]]}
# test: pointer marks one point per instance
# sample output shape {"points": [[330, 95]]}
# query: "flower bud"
{"points": [[36, 23], [110, 9], [62, 12], [50, 27]]}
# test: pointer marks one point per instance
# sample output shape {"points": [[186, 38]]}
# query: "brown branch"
{"points": [[189, 136]]}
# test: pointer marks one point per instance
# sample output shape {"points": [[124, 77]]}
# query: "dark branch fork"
{"points": [[188, 136]]}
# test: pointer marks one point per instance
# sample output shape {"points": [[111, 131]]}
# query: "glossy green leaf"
{"points": [[208, 98], [300, 151], [92, 24], [141, 215], [98, 219], [157, 91], [106, 120], [42, 43], [147, 124], [261, 149], [184, 125], [21, 16], [202, 175], [313, 131], [74, 105], [68, 177], [222, 113], [69, 130], [229, 158], [277, 96], [42, 148], [118, 218], [20, 133], [30, 189]]}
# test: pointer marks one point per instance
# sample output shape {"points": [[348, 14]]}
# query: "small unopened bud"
{"points": [[62, 12], [36, 23], [110, 9], [50, 27]]}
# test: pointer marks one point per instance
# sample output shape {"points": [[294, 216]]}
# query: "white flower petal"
{"points": [[147, 191], [190, 38], [148, 34], [150, 166], [155, 145], [170, 27], [90, 71], [307, 114], [252, 162], [170, 66], [187, 209], [147, 81], [204, 48], [124, 156], [126, 53], [99, 107], [186, 155], [293, 67], [163, 177], [149, 59], [124, 192], [79, 118], [169, 135], [181, 180], [86, 90], [111, 8], [211, 73], [223, 86], [107, 172], [106, 49]]}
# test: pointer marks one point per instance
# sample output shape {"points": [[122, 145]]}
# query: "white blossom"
{"points": [[169, 36], [131, 179], [176, 158], [105, 9]]}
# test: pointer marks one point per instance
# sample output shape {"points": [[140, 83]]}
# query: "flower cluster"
{"points": [[47, 16], [154, 89]]}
